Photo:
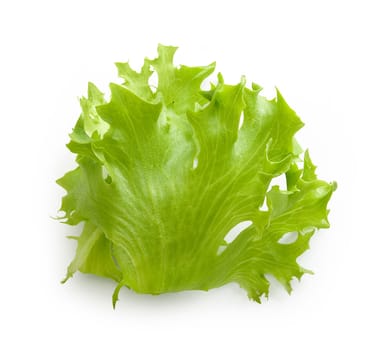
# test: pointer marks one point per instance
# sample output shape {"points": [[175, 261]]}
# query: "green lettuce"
{"points": [[165, 172]]}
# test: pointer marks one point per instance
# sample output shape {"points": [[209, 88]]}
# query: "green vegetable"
{"points": [[165, 173]]}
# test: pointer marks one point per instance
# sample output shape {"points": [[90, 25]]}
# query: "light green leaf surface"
{"points": [[164, 175]]}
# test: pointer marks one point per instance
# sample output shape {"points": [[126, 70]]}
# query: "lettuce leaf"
{"points": [[164, 173]]}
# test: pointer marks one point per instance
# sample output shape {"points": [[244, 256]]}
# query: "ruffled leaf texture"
{"points": [[165, 172]]}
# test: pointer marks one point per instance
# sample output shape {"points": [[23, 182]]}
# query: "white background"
{"points": [[318, 53]]}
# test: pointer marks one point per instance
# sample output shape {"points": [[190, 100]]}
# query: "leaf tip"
{"points": [[115, 297], [66, 278]]}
